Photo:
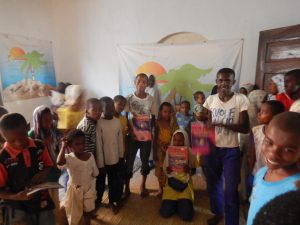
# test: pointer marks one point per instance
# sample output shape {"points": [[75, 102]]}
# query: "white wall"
{"points": [[87, 31], [30, 18]]}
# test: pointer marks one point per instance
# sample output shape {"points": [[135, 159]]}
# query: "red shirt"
{"points": [[21, 158], [286, 100]]}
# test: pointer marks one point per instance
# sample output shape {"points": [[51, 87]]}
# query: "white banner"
{"points": [[180, 70]]}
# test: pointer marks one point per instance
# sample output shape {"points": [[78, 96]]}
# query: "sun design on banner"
{"points": [[177, 83]]}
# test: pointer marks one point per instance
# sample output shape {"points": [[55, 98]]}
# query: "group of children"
{"points": [[104, 145]]}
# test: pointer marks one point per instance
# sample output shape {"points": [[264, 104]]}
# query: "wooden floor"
{"points": [[145, 211]]}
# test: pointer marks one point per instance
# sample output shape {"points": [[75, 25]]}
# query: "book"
{"points": [[178, 158], [141, 128], [43, 186], [202, 138]]}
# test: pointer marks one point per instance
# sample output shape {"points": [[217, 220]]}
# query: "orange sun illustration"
{"points": [[152, 68]]}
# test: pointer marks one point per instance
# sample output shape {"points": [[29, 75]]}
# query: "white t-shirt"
{"points": [[226, 113], [111, 140], [140, 106]]}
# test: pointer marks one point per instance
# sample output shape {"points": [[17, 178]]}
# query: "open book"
{"points": [[43, 186], [203, 138], [178, 158], [141, 128]]}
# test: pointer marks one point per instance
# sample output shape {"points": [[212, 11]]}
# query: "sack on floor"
{"points": [[176, 184]]}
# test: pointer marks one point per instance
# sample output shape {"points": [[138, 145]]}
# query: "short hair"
{"points": [[3, 111], [287, 121], [186, 102], [214, 90], [276, 106], [118, 98], [91, 101], [198, 93], [226, 71], [282, 210], [142, 75], [75, 134], [105, 99], [12, 121], [168, 104], [295, 73]]}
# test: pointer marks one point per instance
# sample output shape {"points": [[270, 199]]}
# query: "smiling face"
{"points": [[225, 81], [281, 149]]}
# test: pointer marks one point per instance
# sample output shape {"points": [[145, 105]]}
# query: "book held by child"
{"points": [[203, 137], [141, 127], [178, 158]]}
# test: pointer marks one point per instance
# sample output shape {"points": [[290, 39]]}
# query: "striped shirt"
{"points": [[88, 126]]}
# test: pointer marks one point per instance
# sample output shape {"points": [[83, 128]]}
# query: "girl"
{"points": [[276, 86], [44, 129], [174, 200], [164, 128], [81, 191]]}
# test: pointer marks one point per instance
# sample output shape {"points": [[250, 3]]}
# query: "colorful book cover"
{"points": [[178, 158], [141, 128], [203, 138]]}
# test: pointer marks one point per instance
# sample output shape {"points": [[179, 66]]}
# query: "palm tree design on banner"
{"points": [[32, 64], [183, 82]]}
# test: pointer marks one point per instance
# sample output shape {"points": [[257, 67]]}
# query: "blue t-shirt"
{"points": [[264, 191], [183, 120]]}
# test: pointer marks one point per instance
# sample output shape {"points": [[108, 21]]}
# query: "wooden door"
{"points": [[278, 52]]}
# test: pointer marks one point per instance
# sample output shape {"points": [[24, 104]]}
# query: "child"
{"points": [[256, 160], [153, 90], [174, 200], [113, 151], [119, 104], [228, 113], [165, 126], [291, 87], [281, 149], [282, 210], [139, 103], [184, 117], [199, 111], [267, 111], [88, 126], [276, 86], [44, 129], [81, 192], [23, 162]]}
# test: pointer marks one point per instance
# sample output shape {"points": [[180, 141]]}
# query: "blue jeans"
{"points": [[224, 163]]}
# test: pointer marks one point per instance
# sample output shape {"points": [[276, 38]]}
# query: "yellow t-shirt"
{"points": [[67, 118]]}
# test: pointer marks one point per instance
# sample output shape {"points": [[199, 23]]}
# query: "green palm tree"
{"points": [[32, 64], [185, 81]]}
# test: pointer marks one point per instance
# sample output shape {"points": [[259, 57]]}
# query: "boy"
{"points": [[113, 150], [88, 126], [228, 113], [281, 150], [291, 87], [139, 103], [23, 162], [183, 117], [199, 111]]}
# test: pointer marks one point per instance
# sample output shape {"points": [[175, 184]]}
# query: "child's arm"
{"points": [[120, 140], [156, 130], [20, 196], [61, 158], [252, 156]]}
